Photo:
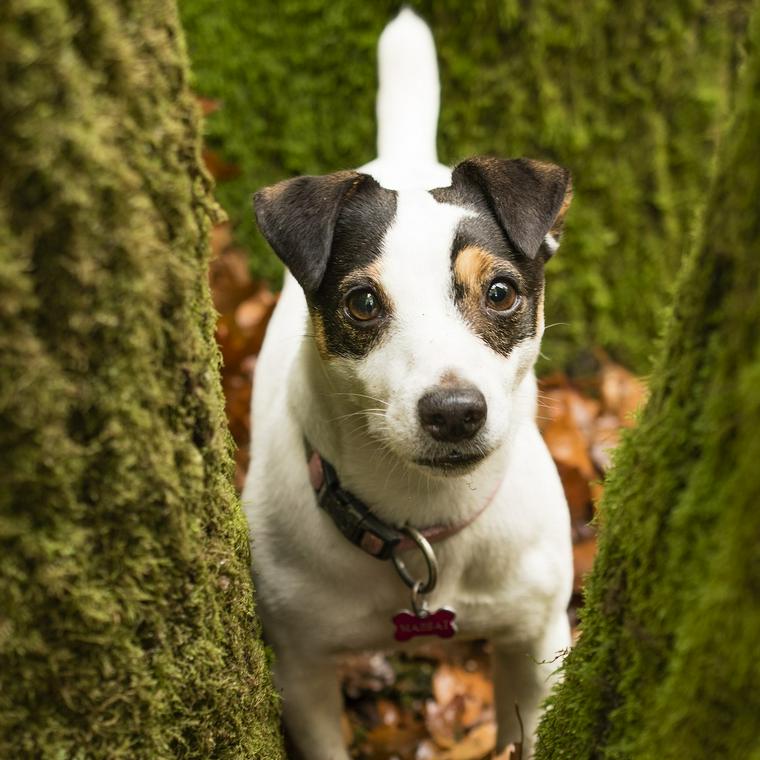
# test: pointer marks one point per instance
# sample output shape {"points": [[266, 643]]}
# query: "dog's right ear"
{"points": [[298, 216]]}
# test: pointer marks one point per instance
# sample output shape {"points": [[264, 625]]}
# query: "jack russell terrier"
{"points": [[399, 487]]}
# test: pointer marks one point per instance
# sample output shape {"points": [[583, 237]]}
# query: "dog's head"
{"points": [[429, 304]]}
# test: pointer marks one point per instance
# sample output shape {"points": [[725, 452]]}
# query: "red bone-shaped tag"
{"points": [[439, 623]]}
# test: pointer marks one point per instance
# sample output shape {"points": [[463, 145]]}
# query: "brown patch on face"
{"points": [[320, 339], [474, 269], [540, 314], [473, 266]]}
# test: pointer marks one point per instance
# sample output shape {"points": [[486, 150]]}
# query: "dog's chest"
{"points": [[488, 584]]}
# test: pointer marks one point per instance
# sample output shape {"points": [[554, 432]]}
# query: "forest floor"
{"points": [[437, 705]]}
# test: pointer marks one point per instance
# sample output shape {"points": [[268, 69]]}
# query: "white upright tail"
{"points": [[407, 107]]}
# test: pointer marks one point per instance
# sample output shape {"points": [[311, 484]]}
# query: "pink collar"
{"points": [[357, 522]]}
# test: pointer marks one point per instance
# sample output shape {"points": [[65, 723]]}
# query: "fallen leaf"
{"points": [[221, 238], [252, 317], [444, 721], [362, 672], [229, 278], [622, 392], [208, 105], [475, 746], [605, 439], [565, 439], [219, 169], [450, 681], [427, 750], [577, 492], [388, 712], [384, 742]]}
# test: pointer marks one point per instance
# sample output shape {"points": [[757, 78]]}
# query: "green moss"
{"points": [[627, 96], [666, 666], [127, 626]]}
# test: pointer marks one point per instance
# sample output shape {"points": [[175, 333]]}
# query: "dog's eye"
{"points": [[363, 304], [501, 295]]}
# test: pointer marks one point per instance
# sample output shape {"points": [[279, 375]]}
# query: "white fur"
{"points": [[508, 575], [551, 243], [407, 108]]}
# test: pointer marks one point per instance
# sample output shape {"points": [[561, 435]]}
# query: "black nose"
{"points": [[452, 413]]}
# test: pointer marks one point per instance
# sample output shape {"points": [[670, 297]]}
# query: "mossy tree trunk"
{"points": [[667, 663], [127, 627]]}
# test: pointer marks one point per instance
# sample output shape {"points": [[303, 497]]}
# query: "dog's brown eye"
{"points": [[363, 304], [501, 295]]}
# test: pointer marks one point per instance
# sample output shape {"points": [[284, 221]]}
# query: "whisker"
{"points": [[360, 395]]}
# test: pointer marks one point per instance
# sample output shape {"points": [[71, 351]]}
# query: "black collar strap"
{"points": [[351, 515]]}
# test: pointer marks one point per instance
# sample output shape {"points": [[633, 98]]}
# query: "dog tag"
{"points": [[440, 623]]}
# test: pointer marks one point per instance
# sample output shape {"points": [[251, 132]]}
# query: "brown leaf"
{"points": [[221, 237], [565, 438], [622, 392], [477, 745], [427, 750], [219, 169], [230, 278], [605, 438], [362, 672], [450, 681], [388, 712], [383, 742], [444, 722], [577, 492], [252, 317], [208, 105]]}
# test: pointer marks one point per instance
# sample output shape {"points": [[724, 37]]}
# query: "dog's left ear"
{"points": [[528, 198]]}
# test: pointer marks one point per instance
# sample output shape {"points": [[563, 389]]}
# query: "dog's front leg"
{"points": [[311, 704], [523, 677]]}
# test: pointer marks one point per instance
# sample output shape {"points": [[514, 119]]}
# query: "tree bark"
{"points": [[667, 663], [127, 625]]}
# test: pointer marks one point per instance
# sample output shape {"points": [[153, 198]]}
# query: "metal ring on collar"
{"points": [[430, 560]]}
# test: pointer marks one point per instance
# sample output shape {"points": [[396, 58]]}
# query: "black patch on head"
{"points": [[527, 198], [480, 254], [328, 230], [360, 228], [517, 203]]}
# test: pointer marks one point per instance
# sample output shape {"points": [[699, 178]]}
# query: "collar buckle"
{"points": [[350, 515]]}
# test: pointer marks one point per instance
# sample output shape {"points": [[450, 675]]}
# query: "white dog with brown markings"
{"points": [[396, 462]]}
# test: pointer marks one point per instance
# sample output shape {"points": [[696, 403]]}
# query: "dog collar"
{"points": [[355, 520]]}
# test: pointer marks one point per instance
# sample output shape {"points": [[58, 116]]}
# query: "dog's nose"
{"points": [[452, 413]]}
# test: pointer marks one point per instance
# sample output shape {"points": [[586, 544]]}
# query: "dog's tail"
{"points": [[409, 94]]}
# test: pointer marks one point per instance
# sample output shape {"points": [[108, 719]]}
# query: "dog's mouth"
{"points": [[455, 461]]}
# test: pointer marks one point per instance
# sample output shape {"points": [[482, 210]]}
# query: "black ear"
{"points": [[297, 217], [528, 198]]}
